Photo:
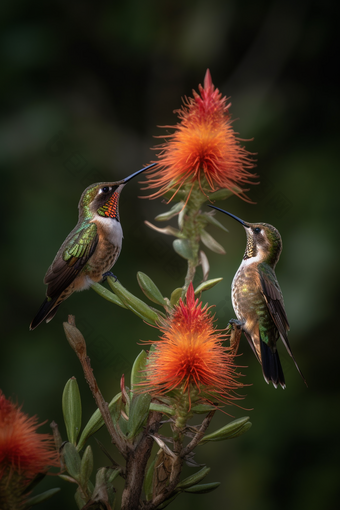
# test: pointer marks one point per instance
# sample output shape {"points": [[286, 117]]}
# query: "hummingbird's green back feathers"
{"points": [[75, 253]]}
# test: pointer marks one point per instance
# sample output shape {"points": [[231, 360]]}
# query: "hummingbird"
{"points": [[257, 298], [90, 250]]}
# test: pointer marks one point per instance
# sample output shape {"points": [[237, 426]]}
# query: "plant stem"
{"points": [[79, 346], [136, 462]]}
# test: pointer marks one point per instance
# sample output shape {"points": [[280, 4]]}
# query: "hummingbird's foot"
{"points": [[236, 322], [108, 273]]}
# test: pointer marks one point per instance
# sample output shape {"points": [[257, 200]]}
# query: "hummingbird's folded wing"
{"points": [[274, 299], [71, 258]]}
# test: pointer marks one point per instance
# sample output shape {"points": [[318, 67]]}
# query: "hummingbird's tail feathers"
{"points": [[271, 366], [289, 350], [47, 311]]}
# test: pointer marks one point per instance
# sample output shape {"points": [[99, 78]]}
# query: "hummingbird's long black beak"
{"points": [[232, 215], [124, 181]]}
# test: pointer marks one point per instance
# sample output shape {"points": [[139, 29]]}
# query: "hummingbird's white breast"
{"points": [[112, 229]]}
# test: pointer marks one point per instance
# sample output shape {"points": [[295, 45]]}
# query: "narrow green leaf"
{"points": [[71, 405], [167, 502], [213, 221], [221, 194], [183, 248], [86, 467], [106, 294], [150, 289], [136, 305], [72, 460], [41, 497], [96, 422], [148, 481], [180, 195], [160, 408], [137, 376], [233, 429], [169, 231], [139, 410], [171, 213], [209, 284], [211, 243], [204, 488], [193, 479], [203, 409]]}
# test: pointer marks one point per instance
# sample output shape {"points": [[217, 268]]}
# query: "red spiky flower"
{"points": [[23, 452], [190, 356], [203, 145]]}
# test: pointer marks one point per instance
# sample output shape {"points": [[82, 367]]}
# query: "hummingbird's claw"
{"points": [[108, 273], [235, 322]]}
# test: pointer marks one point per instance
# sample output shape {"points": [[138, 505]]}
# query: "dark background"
{"points": [[83, 88]]}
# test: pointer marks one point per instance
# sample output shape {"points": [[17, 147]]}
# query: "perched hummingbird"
{"points": [[257, 298], [90, 250]]}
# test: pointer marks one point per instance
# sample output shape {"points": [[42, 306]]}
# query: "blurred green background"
{"points": [[84, 86]]}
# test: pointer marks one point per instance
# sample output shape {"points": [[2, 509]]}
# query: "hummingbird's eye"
{"points": [[257, 230], [105, 189]]}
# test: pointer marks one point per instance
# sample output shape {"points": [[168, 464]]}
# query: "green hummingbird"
{"points": [[257, 298], [90, 250]]}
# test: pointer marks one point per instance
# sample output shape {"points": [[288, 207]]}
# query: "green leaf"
{"points": [[203, 488], [150, 289], [180, 195], [167, 502], [86, 467], [183, 248], [171, 213], [209, 284], [211, 243], [233, 429], [169, 231], [137, 374], [148, 481], [203, 408], [213, 221], [176, 294], [71, 404], [96, 421], [72, 460], [41, 497], [106, 294], [136, 305], [193, 479], [139, 410], [221, 194], [160, 408]]}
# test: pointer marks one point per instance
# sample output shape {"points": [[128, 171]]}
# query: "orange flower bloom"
{"points": [[22, 449], [203, 144], [190, 356]]}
